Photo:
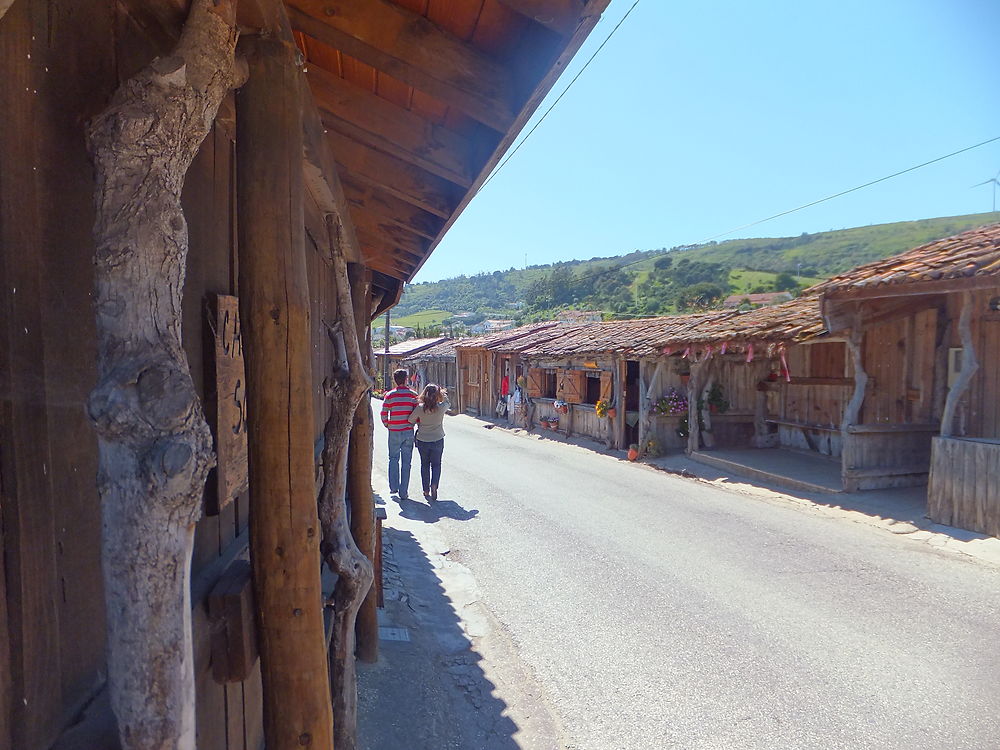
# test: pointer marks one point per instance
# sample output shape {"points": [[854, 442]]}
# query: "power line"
{"points": [[534, 127], [800, 208]]}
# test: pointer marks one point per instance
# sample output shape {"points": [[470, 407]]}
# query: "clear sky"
{"points": [[700, 117]]}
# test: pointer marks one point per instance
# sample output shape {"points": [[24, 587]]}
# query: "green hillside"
{"points": [[670, 280]]}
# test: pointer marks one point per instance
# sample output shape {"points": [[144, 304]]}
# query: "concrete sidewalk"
{"points": [[446, 676]]}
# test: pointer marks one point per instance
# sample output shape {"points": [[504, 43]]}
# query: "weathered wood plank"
{"points": [[395, 176], [560, 16], [387, 207], [413, 50], [370, 119]]}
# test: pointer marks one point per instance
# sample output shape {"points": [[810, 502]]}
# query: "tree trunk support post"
{"points": [[359, 468], [274, 312], [969, 366], [852, 413], [155, 445]]}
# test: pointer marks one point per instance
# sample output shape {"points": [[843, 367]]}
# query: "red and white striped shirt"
{"points": [[397, 406]]}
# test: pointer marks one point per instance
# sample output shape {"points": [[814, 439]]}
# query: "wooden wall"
{"points": [[62, 60], [979, 413]]}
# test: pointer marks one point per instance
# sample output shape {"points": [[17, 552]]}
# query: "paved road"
{"points": [[643, 610]]}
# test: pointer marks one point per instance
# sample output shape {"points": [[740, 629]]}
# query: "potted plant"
{"points": [[633, 452], [717, 403], [604, 409]]}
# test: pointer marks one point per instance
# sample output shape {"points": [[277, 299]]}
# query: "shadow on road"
{"points": [[427, 691], [434, 511]]}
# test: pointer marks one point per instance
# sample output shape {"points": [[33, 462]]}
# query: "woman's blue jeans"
{"points": [[430, 462]]}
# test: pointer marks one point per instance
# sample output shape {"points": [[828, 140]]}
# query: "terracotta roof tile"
{"points": [[972, 253]]}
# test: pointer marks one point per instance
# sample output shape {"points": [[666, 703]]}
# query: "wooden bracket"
{"points": [[234, 634]]}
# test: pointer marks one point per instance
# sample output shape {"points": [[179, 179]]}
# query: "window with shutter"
{"points": [[573, 386], [536, 382]]}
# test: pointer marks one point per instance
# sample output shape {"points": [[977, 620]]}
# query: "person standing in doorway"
{"points": [[429, 417], [397, 406]]}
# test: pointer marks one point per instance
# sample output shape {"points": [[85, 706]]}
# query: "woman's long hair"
{"points": [[429, 397]]}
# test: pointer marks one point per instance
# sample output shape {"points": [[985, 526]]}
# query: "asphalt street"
{"points": [[615, 606]]}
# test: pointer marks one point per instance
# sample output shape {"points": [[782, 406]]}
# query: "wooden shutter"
{"points": [[606, 385], [536, 383], [573, 386]]}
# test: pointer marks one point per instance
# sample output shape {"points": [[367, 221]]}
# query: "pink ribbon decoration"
{"points": [[668, 350], [784, 367], [725, 345], [749, 353], [687, 352]]}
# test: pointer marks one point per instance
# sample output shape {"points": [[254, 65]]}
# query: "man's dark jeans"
{"points": [[430, 462]]}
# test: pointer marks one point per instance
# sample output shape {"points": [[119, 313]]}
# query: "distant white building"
{"points": [[491, 326], [399, 332]]}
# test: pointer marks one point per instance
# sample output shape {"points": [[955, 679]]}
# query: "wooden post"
{"points": [[155, 445], [359, 470], [646, 395], [274, 311], [761, 435], [345, 387], [618, 429], [969, 366], [706, 413], [853, 410]]}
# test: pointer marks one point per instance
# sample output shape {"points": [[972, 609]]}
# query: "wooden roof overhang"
{"points": [[408, 105]]}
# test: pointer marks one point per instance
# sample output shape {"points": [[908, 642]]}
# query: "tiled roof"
{"points": [[972, 253], [796, 320], [636, 338], [491, 339], [404, 348], [442, 350], [792, 321]]}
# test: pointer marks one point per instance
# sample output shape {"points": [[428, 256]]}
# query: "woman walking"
{"points": [[429, 417]]}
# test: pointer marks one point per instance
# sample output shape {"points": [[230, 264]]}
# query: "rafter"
{"points": [[413, 50], [378, 122], [389, 208], [561, 16], [371, 231], [396, 177]]}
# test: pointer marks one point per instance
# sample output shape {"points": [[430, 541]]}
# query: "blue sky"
{"points": [[700, 117]]}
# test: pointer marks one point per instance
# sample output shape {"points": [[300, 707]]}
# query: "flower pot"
{"points": [[612, 413], [633, 454], [685, 379]]}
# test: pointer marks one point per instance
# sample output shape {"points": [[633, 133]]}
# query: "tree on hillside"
{"points": [[785, 282]]}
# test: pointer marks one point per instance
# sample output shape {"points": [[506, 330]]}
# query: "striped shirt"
{"points": [[397, 406]]}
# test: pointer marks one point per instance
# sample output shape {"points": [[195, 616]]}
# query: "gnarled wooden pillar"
{"points": [[274, 313], [969, 366], [155, 446], [359, 467]]}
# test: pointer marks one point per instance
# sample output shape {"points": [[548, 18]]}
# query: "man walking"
{"points": [[399, 403]]}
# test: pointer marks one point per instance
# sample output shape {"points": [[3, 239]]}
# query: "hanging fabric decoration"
{"points": [[668, 350], [749, 353], [725, 345], [687, 353], [784, 365]]}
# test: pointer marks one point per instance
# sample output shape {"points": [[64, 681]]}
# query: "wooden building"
{"points": [[320, 163], [480, 372], [436, 364], [924, 326], [391, 360]]}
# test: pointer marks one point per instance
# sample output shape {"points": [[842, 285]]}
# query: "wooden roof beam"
{"points": [[371, 199], [413, 50], [377, 233], [368, 118], [560, 16], [395, 176]]}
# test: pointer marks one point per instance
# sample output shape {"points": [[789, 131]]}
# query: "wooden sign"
{"points": [[227, 407]]}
